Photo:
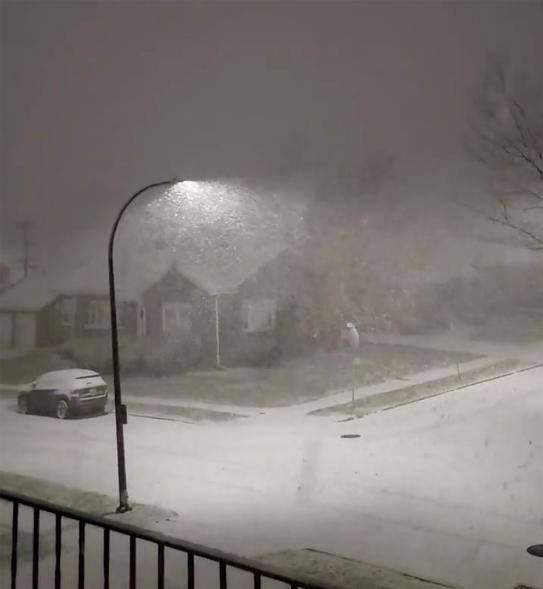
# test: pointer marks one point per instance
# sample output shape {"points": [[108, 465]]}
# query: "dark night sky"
{"points": [[101, 97]]}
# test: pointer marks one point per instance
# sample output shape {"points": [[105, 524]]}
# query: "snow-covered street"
{"points": [[448, 488]]}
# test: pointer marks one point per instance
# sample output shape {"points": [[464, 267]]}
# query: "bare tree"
{"points": [[506, 136], [371, 258]]}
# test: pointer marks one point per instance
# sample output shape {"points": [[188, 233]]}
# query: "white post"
{"points": [[217, 332]]}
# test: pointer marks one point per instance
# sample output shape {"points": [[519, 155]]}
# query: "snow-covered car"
{"points": [[64, 393]]}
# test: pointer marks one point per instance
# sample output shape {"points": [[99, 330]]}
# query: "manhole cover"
{"points": [[536, 550], [350, 436]]}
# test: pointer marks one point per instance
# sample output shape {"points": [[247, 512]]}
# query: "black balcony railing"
{"points": [[258, 571]]}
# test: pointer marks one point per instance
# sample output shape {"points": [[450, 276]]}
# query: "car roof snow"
{"points": [[64, 376]]}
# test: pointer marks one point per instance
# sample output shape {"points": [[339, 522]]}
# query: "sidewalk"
{"points": [[424, 377], [182, 403], [160, 406]]}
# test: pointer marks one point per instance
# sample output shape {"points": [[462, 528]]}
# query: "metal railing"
{"points": [[258, 571]]}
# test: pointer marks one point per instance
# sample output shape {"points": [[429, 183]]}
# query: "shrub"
{"points": [[95, 353], [26, 367], [170, 356]]}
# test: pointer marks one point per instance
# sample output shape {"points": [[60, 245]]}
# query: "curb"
{"points": [[422, 397], [467, 385]]}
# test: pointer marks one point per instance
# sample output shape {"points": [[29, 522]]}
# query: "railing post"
{"points": [[160, 567], [222, 576], [106, 558], [132, 576], [36, 548], [81, 561], [14, 540], [58, 549], [190, 570]]}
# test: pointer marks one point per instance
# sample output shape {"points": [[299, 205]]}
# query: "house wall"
{"points": [[49, 330], [507, 285], [127, 317], [6, 330], [18, 330], [283, 280], [295, 291], [52, 332], [174, 287], [237, 346], [4, 276]]}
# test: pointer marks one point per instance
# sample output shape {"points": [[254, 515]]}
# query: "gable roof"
{"points": [[134, 275], [226, 273], [30, 294], [465, 257]]}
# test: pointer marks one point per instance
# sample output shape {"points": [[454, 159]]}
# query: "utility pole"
{"points": [[27, 243]]}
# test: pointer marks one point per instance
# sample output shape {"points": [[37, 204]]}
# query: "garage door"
{"points": [[5, 331], [25, 331]]}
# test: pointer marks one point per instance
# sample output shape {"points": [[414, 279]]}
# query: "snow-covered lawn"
{"points": [[409, 393], [448, 488], [289, 383], [297, 380]]}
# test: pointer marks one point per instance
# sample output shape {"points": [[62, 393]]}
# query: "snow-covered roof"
{"points": [[227, 273], [135, 274], [30, 294], [463, 258]]}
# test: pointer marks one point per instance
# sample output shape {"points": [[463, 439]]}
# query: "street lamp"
{"points": [[535, 550], [120, 409]]}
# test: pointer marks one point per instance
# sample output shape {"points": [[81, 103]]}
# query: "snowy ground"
{"points": [[464, 338], [448, 488]]}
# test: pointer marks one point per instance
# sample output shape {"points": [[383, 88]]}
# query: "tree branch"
{"points": [[507, 222]]}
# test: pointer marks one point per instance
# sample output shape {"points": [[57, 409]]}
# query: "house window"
{"points": [[67, 311], [258, 315], [176, 318], [98, 315], [123, 314]]}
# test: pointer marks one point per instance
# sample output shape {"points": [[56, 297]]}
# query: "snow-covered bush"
{"points": [[92, 352], [170, 356], [95, 353]]}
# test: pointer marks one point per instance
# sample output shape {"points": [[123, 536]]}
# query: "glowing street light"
{"points": [[120, 409], [212, 202]]}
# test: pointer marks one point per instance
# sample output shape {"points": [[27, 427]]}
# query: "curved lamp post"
{"points": [[120, 409]]}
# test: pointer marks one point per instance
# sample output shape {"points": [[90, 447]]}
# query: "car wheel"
{"points": [[62, 409], [22, 405]]}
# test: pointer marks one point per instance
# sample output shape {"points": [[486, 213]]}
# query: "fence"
{"points": [[258, 571]]}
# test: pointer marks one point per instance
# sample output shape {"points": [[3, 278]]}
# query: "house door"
{"points": [[25, 331], [5, 331]]}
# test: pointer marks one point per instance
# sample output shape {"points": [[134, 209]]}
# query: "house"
{"points": [[5, 276], [33, 313], [19, 309], [473, 279], [233, 309], [236, 314]]}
